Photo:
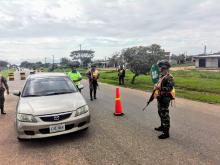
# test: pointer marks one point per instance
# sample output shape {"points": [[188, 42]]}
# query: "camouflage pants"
{"points": [[163, 111], [2, 101]]}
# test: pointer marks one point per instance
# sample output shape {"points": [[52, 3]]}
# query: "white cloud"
{"points": [[38, 28]]}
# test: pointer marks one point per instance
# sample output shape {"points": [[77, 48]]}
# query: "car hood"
{"points": [[50, 104]]}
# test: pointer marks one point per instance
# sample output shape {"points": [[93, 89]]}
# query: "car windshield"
{"points": [[48, 86]]}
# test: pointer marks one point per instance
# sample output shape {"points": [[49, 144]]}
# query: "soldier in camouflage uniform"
{"points": [[3, 86], [165, 87]]}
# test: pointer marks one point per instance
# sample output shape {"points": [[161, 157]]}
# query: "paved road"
{"points": [[195, 134]]}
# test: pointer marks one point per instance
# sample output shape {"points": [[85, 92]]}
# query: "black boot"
{"points": [[160, 128], [95, 94], [91, 96], [165, 134], [2, 111]]}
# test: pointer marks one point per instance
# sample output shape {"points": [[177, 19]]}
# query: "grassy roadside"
{"points": [[194, 85], [5, 72]]}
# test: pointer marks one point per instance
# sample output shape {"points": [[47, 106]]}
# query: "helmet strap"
{"points": [[164, 71]]}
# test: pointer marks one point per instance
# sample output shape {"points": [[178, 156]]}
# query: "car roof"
{"points": [[46, 75]]}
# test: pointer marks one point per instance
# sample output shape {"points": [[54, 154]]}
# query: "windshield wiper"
{"points": [[56, 93]]}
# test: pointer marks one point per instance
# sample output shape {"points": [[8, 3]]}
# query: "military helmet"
{"points": [[164, 64]]}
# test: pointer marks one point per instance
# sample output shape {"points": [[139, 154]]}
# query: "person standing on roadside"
{"points": [[93, 76], [3, 86], [121, 75], [75, 76], [165, 93]]}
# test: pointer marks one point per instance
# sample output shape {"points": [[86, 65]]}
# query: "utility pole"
{"points": [[170, 55], [53, 63], [45, 61], [80, 49], [80, 53], [205, 50], [185, 56]]}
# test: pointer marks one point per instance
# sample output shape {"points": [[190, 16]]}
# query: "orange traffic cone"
{"points": [[118, 106]]}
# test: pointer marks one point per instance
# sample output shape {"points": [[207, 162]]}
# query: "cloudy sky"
{"points": [[35, 29]]}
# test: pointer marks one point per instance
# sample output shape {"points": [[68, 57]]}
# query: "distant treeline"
{"points": [[3, 64]]}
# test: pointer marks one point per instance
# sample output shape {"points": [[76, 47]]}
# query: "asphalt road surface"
{"points": [[195, 134]]}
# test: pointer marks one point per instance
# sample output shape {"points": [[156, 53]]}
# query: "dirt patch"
{"points": [[183, 68], [187, 68]]}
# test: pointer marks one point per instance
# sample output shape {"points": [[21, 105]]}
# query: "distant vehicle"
{"points": [[32, 71], [50, 105]]}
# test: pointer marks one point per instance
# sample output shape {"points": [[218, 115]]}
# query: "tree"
{"points": [[140, 59], [181, 59], [115, 60], [26, 64], [85, 56], [65, 61], [37, 64], [3, 64]]}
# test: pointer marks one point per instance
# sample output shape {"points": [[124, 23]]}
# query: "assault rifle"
{"points": [[150, 99]]}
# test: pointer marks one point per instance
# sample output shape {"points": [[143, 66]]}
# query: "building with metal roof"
{"points": [[211, 61]]}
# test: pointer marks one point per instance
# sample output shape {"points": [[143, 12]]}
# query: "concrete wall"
{"points": [[173, 62], [197, 63], [210, 62]]}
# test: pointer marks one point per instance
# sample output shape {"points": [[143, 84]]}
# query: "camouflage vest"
{"points": [[95, 74], [158, 86]]}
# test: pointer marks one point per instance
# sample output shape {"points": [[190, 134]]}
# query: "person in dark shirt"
{"points": [[121, 75], [3, 86], [93, 76]]}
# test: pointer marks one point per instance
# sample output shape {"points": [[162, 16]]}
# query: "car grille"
{"points": [[55, 117]]}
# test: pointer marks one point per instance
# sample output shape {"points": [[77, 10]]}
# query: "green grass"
{"points": [[199, 81], [197, 74], [5, 72], [199, 96], [194, 85]]}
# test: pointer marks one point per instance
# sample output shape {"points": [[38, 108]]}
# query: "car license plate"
{"points": [[57, 128]]}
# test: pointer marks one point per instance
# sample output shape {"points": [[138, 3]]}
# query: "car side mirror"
{"points": [[80, 86], [17, 93]]}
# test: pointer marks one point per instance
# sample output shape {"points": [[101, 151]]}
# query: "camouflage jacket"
{"points": [[167, 85], [3, 85]]}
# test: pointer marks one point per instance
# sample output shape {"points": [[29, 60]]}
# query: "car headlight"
{"points": [[82, 110], [26, 118]]}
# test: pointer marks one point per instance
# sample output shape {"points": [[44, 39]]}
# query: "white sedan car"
{"points": [[50, 105]]}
